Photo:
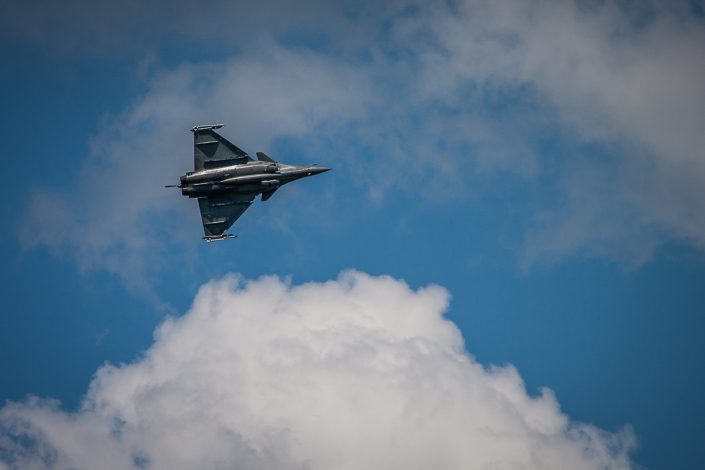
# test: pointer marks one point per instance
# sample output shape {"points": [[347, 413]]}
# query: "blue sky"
{"points": [[542, 163]]}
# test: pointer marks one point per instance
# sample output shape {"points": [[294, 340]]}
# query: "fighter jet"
{"points": [[226, 180]]}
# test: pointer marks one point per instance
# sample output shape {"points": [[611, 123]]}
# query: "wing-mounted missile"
{"points": [[206, 127], [217, 238]]}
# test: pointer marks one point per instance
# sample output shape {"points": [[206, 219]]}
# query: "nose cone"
{"points": [[315, 170]]}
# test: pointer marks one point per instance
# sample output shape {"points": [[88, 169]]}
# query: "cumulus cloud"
{"points": [[357, 372], [470, 88]]}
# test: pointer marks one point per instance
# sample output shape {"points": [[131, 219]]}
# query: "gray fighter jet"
{"points": [[226, 180]]}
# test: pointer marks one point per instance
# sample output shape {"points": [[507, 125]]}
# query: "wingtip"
{"points": [[217, 238], [206, 127]]}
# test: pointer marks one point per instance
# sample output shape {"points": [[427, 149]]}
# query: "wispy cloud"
{"points": [[357, 372], [118, 214], [475, 87]]}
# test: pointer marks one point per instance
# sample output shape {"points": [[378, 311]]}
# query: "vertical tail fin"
{"points": [[263, 157]]}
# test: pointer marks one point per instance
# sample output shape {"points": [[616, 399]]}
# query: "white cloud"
{"points": [[627, 76], [358, 372]]}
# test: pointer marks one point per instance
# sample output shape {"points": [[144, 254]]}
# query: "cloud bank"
{"points": [[357, 372]]}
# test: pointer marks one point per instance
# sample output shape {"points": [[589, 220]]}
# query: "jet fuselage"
{"points": [[251, 177], [226, 180]]}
